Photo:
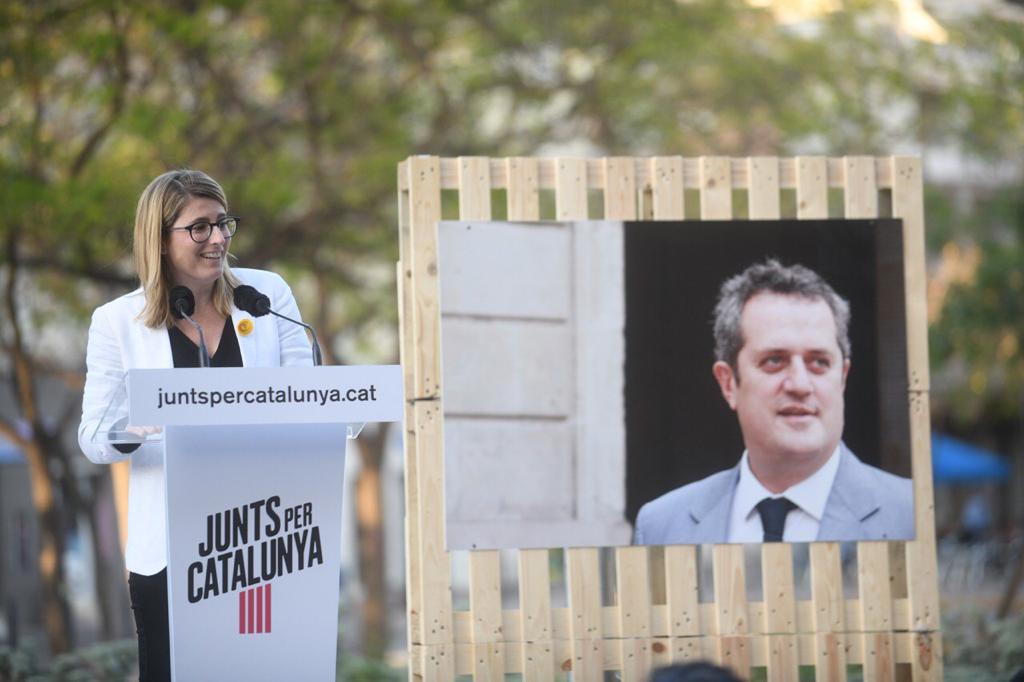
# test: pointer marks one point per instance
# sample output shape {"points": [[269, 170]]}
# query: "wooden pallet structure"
{"points": [[890, 628]]}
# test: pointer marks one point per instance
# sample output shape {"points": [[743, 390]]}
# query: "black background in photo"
{"points": [[679, 429]]}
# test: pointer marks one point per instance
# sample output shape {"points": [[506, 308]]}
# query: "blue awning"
{"points": [[955, 461], [9, 452]]}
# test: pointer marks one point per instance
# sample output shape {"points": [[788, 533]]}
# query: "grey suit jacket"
{"points": [[865, 504]]}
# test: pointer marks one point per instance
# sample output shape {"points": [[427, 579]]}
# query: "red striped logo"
{"points": [[254, 610]]}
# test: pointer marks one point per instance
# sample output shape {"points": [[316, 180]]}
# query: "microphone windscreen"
{"points": [[182, 302], [250, 300]]}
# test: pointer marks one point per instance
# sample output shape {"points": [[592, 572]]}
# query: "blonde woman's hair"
{"points": [[159, 206]]}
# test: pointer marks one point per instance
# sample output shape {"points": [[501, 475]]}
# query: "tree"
{"points": [[303, 111]]}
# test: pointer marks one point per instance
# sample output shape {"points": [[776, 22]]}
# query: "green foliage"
{"points": [[976, 340], [107, 661], [979, 648], [303, 110], [358, 669]]}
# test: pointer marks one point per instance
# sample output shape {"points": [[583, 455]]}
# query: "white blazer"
{"points": [[119, 341]]}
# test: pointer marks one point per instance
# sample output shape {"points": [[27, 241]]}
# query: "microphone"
{"points": [[250, 300], [183, 305]]}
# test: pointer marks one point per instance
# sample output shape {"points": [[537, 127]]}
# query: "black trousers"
{"points": [[149, 604]]}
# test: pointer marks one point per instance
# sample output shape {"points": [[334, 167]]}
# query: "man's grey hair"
{"points": [[771, 276]]}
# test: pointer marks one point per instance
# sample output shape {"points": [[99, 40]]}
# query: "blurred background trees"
{"points": [[302, 111]]}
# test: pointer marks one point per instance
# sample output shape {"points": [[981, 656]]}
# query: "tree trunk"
{"points": [[370, 528], [56, 612], [39, 450], [104, 561]]}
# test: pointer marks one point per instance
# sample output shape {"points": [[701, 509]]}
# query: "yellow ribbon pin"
{"points": [[245, 326]]}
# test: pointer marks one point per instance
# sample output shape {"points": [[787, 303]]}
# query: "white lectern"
{"points": [[253, 464]]}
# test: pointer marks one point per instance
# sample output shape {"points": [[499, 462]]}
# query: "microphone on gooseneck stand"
{"points": [[183, 305], [250, 300]]}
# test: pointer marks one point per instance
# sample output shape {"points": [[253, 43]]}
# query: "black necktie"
{"points": [[773, 511]]}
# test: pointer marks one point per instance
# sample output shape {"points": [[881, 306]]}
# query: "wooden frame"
{"points": [[891, 628]]}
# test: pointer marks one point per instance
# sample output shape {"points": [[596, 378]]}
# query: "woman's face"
{"points": [[197, 266]]}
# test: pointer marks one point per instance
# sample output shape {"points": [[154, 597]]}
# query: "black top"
{"points": [[186, 354]]}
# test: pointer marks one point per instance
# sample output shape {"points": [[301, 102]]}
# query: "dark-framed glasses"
{"points": [[201, 230]]}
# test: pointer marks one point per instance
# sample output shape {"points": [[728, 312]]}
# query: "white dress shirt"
{"points": [[809, 495]]}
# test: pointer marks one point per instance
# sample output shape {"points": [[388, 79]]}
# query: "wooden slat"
{"points": [[738, 173], [811, 187], [783, 658], [538, 662], [423, 180], [570, 189], [403, 280], [908, 205], [635, 659], [730, 590], [661, 652], [763, 193], [878, 660], [436, 661], [521, 194], [690, 649], [826, 588], [425, 211], [926, 654], [412, 533], [876, 609], [777, 579], [681, 590], [474, 188], [735, 653], [755, 651], [715, 188], [860, 192], [922, 588], [485, 610], [667, 187], [620, 189], [435, 571], [832, 652], [611, 626], [633, 587], [583, 576], [828, 609]]}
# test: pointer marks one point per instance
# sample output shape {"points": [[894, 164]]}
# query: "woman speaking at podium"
{"points": [[183, 231]]}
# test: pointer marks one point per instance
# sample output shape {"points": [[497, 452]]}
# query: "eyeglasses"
{"points": [[201, 230]]}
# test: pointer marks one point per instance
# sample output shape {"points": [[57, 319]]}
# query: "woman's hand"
{"points": [[143, 431]]}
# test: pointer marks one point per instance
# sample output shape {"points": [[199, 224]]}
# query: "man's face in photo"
{"points": [[787, 387]]}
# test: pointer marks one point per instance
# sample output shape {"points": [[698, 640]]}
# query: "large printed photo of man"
{"points": [[767, 382], [782, 356]]}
